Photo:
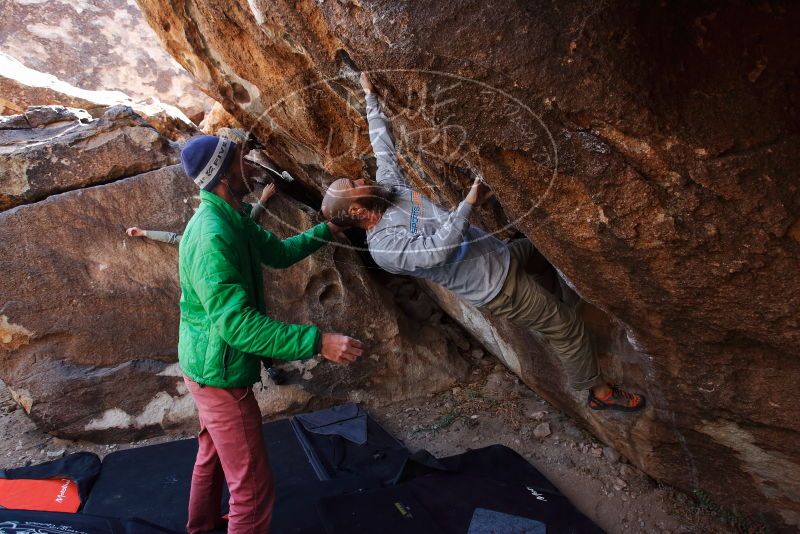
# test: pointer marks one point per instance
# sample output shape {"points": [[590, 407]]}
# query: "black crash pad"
{"points": [[492, 487], [153, 482]]}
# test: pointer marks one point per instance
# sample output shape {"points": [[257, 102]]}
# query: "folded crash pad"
{"points": [[484, 490], [62, 485], [344, 442]]}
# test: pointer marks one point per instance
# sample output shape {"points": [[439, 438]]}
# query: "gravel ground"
{"points": [[494, 407]]}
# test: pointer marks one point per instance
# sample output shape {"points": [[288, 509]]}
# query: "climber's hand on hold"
{"points": [[267, 193], [337, 232], [366, 84], [479, 192]]}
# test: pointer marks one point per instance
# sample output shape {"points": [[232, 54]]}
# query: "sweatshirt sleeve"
{"points": [[258, 210], [220, 288], [170, 238], [280, 254], [389, 172], [399, 251]]}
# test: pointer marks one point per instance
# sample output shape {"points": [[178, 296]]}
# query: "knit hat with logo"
{"points": [[206, 158]]}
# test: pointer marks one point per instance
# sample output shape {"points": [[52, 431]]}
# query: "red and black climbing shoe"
{"points": [[617, 399]]}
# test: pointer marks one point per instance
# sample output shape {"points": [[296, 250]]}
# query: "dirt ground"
{"points": [[494, 407], [490, 407]]}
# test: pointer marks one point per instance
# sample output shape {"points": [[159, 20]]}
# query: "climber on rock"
{"points": [[410, 235], [173, 238], [224, 332]]}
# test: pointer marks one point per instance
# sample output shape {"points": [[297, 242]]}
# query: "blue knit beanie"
{"points": [[206, 158]]}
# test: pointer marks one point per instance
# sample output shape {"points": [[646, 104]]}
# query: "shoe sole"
{"points": [[619, 408]]}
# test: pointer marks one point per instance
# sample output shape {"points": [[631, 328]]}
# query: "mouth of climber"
{"points": [[355, 203]]}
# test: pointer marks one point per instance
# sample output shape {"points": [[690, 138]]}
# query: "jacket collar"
{"points": [[221, 205]]}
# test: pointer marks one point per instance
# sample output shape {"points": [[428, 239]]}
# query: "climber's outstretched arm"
{"points": [[380, 135], [259, 208], [170, 238], [173, 238]]}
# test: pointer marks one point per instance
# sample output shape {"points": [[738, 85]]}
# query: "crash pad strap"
{"points": [[308, 449]]}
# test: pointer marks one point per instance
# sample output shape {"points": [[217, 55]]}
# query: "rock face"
{"points": [[89, 316], [218, 118], [21, 87], [89, 321], [650, 152], [51, 149], [100, 45]]}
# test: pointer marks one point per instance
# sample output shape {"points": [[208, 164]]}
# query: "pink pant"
{"points": [[231, 449]]}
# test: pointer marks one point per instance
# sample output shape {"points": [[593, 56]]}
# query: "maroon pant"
{"points": [[231, 449]]}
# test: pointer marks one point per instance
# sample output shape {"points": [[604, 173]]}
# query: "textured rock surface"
{"points": [[650, 152], [51, 149], [89, 320], [218, 118], [98, 45], [21, 87]]}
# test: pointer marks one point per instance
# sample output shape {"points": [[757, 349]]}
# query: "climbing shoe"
{"points": [[618, 399]]}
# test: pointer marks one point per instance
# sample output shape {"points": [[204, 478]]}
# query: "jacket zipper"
{"points": [[225, 362], [253, 274]]}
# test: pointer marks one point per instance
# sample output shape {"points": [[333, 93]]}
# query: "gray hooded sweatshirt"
{"points": [[418, 238]]}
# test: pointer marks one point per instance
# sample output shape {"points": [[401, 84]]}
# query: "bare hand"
{"points": [[338, 232], [341, 349], [479, 193], [267, 193], [366, 84], [135, 231]]}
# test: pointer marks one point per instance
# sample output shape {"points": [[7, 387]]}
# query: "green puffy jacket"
{"points": [[223, 329]]}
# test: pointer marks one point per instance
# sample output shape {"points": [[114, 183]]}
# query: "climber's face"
{"points": [[354, 202]]}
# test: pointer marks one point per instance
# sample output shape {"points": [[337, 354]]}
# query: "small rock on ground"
{"points": [[56, 453], [542, 430], [611, 454]]}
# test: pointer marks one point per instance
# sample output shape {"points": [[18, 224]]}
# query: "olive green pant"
{"points": [[523, 301]]}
